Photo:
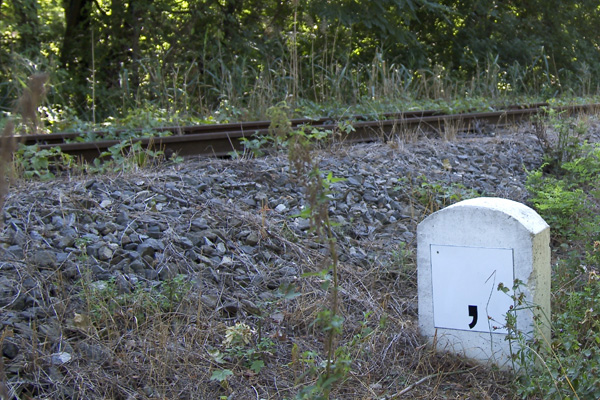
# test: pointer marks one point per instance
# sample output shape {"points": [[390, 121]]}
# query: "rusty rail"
{"points": [[222, 139]]}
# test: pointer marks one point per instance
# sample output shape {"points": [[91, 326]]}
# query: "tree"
{"points": [[221, 50], [75, 53]]}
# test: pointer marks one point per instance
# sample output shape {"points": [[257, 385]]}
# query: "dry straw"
{"points": [[26, 106]]}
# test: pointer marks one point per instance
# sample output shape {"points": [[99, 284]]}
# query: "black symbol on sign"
{"points": [[473, 313]]}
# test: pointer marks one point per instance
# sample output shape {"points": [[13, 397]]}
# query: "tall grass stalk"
{"points": [[238, 88], [27, 106], [309, 68], [7, 148]]}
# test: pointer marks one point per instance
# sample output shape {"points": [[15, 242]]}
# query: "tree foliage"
{"points": [[111, 55]]}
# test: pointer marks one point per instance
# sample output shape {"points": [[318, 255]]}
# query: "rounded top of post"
{"points": [[520, 212]]}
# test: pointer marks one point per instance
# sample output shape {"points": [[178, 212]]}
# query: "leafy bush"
{"points": [[558, 202], [568, 199], [559, 137], [33, 162], [570, 367]]}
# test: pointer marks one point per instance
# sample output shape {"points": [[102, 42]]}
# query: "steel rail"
{"points": [[221, 140], [64, 137]]}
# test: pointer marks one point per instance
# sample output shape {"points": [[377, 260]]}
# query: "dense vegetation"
{"points": [[106, 58], [565, 191]]}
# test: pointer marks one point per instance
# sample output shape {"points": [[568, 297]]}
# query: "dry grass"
{"points": [[31, 98], [131, 346], [7, 148], [26, 106]]}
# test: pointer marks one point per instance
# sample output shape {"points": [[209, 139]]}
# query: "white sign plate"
{"points": [[465, 287]]}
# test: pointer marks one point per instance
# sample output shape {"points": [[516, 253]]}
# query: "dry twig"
{"points": [[428, 377]]}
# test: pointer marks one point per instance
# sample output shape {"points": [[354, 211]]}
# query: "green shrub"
{"points": [[569, 199], [33, 162], [568, 365], [558, 202], [570, 368]]}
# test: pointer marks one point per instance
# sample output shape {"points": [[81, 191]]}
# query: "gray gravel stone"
{"points": [[15, 252], [184, 242], [149, 247], [104, 253], [95, 353], [9, 349], [252, 239], [44, 258]]}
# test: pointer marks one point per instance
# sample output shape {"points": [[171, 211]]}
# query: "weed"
{"points": [[31, 161], [437, 195], [450, 129], [237, 335], [221, 375], [280, 127], [112, 308], [559, 136], [281, 133], [568, 365], [238, 348], [565, 193], [567, 198], [400, 266], [126, 156], [174, 292], [300, 146], [558, 202], [254, 145]]}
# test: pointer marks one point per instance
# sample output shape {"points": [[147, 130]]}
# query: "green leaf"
{"points": [[288, 291], [221, 375], [325, 284], [257, 365], [216, 355], [337, 322], [331, 179]]}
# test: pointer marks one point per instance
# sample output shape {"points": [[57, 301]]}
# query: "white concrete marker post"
{"points": [[464, 252]]}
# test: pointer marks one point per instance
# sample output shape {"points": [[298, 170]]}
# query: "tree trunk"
{"points": [[77, 39], [26, 12], [76, 52], [133, 27]]}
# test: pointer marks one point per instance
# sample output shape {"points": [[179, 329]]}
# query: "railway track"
{"points": [[220, 140]]}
